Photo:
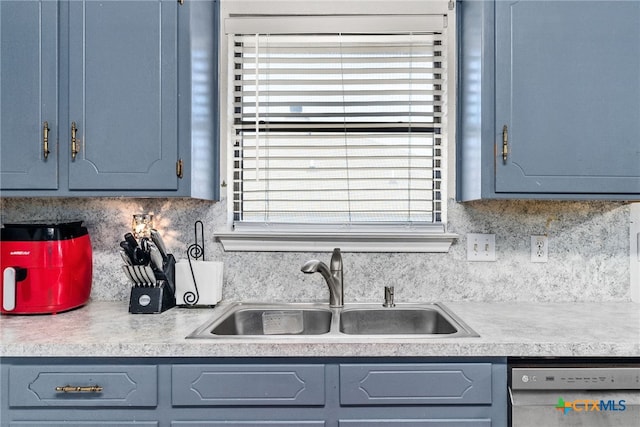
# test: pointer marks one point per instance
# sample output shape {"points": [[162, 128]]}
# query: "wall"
{"points": [[588, 252]]}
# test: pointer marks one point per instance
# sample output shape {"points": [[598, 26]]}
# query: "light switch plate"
{"points": [[481, 247]]}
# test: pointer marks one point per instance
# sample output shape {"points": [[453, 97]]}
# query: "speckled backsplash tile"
{"points": [[588, 252]]}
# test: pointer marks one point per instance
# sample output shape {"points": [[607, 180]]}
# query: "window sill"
{"points": [[351, 241]]}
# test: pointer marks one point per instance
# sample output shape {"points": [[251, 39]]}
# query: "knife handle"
{"points": [[125, 258], [157, 239], [129, 251], [156, 257], [131, 240], [142, 258]]}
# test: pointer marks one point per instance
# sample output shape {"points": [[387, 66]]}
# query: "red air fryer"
{"points": [[46, 268]]}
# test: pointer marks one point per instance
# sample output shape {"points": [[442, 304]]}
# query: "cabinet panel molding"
{"points": [[282, 385], [425, 384]]}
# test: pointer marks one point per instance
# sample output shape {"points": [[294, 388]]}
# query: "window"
{"points": [[339, 124]]}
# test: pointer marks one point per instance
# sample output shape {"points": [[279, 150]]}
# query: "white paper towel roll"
{"points": [[208, 276]]}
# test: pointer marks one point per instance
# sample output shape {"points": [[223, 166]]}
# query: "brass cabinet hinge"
{"points": [[179, 168], [45, 140], [74, 141], [505, 143]]}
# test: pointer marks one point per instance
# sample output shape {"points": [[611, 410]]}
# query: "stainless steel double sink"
{"points": [[267, 320]]}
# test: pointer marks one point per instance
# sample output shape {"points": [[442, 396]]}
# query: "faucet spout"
{"points": [[332, 275], [315, 266]]}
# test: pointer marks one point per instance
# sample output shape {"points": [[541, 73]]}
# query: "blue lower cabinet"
{"points": [[243, 392]]}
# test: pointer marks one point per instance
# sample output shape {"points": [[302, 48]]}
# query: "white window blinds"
{"points": [[339, 128]]}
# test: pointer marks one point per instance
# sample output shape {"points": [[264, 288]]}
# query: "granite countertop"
{"points": [[106, 329]]}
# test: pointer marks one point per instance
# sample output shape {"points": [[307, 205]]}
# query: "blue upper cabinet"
{"points": [[123, 91], [113, 79], [550, 100], [28, 95]]}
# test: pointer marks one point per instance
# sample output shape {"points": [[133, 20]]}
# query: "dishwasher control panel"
{"points": [[569, 378]]}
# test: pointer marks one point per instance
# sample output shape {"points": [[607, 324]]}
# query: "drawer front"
{"points": [[84, 424], [247, 385], [247, 423], [415, 384], [39, 386], [416, 423]]}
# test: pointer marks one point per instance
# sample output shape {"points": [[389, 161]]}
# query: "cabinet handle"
{"points": [[79, 389], [45, 140], [179, 168], [505, 143], [74, 141]]}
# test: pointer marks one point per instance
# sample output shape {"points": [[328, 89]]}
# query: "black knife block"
{"points": [[159, 298]]}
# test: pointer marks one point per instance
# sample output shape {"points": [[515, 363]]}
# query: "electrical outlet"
{"points": [[539, 249], [481, 247]]}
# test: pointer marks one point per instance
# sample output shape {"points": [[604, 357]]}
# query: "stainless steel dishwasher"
{"points": [[586, 393]]}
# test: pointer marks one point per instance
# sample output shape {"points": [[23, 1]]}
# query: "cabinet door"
{"points": [[568, 90], [28, 94], [123, 95]]}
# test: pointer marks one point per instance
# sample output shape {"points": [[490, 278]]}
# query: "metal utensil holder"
{"points": [[159, 298]]}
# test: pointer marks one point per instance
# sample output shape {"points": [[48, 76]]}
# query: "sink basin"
{"points": [[279, 320], [395, 321], [269, 319]]}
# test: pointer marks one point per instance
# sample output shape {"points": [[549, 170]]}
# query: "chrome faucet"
{"points": [[332, 275]]}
